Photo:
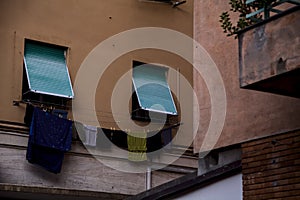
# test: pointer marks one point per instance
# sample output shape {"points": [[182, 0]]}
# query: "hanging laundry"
{"points": [[137, 147], [48, 158], [166, 135], [154, 142], [50, 136], [28, 114], [79, 128], [90, 135], [60, 113], [75, 135], [104, 139], [119, 138]]}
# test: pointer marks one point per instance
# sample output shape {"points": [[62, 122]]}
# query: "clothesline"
{"points": [[137, 143], [51, 136], [110, 114], [51, 109], [146, 131]]}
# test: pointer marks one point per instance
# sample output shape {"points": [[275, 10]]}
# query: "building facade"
{"points": [[66, 32], [78, 30]]}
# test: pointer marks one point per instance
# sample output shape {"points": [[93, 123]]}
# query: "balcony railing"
{"points": [[269, 54], [268, 9]]}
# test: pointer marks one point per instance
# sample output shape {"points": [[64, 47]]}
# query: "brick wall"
{"points": [[271, 167]]}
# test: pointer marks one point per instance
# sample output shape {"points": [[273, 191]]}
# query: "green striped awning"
{"points": [[46, 70], [152, 89]]}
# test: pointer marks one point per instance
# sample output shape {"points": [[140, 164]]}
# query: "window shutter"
{"points": [[46, 70], [152, 89]]}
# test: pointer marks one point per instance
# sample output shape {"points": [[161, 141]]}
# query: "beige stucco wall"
{"points": [[80, 26], [249, 114]]}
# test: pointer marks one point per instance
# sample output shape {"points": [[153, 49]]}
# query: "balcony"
{"points": [[269, 52]]}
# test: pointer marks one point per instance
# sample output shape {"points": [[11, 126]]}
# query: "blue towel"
{"points": [[49, 159], [51, 131], [50, 136]]}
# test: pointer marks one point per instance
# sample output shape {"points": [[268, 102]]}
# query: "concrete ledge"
{"points": [[10, 191]]}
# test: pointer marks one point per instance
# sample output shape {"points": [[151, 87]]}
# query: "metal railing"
{"points": [[268, 8]]}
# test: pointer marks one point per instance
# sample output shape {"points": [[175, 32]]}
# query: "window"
{"points": [[174, 3], [45, 77], [151, 92]]}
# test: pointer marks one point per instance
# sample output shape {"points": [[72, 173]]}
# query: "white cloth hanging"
{"points": [[90, 135]]}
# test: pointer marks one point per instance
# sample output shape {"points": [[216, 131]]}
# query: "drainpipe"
{"points": [[148, 178]]}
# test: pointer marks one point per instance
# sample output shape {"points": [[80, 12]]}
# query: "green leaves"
{"points": [[243, 9], [226, 24]]}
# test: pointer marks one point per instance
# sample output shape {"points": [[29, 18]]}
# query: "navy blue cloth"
{"points": [[154, 142], [50, 136], [48, 158], [166, 135], [60, 113], [119, 138], [51, 131], [28, 114]]}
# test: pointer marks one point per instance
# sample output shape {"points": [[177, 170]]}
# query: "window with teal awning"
{"points": [[152, 89], [46, 69]]}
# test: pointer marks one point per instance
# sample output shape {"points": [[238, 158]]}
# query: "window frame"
{"points": [[39, 97], [140, 114]]}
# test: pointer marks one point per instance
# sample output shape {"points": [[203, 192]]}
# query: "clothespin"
{"points": [[111, 132], [44, 108]]}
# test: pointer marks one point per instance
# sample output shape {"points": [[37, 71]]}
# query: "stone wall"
{"points": [[249, 114]]}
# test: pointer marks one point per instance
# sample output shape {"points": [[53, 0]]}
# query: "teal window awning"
{"points": [[46, 70], [152, 89]]}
